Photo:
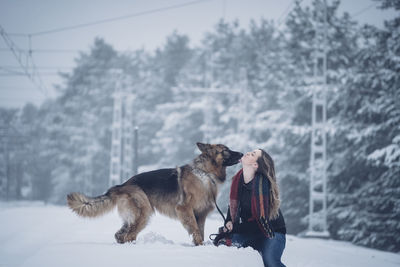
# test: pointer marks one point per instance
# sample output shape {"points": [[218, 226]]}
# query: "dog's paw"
{"points": [[120, 237], [197, 239]]}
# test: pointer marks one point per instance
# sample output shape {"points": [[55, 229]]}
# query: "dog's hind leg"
{"points": [[145, 211], [135, 210], [120, 235]]}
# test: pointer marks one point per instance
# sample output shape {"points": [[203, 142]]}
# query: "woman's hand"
{"points": [[228, 227]]}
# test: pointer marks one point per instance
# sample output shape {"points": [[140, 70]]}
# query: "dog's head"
{"points": [[220, 154]]}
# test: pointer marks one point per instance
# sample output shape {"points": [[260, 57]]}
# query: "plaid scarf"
{"points": [[259, 201]]}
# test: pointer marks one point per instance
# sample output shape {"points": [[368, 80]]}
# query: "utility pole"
{"points": [[121, 157], [136, 151], [12, 141], [7, 168], [317, 224]]}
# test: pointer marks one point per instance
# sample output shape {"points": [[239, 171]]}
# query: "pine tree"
{"points": [[79, 124], [366, 180], [295, 99]]}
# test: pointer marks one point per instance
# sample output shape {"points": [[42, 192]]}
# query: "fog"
{"points": [[240, 82]]}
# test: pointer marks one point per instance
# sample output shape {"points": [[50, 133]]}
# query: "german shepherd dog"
{"points": [[186, 193]]}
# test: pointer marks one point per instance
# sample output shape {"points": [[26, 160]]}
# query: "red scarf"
{"points": [[259, 201]]}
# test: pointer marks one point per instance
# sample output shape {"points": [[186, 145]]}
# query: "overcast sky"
{"points": [[148, 30]]}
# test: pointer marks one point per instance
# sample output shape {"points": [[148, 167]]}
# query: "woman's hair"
{"points": [[266, 168]]}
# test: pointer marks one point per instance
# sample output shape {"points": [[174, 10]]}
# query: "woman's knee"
{"points": [[238, 240], [242, 240], [272, 251], [272, 262]]}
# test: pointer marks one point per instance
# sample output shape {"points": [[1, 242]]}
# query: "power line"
{"points": [[363, 10], [17, 34], [23, 74], [286, 11], [12, 68], [17, 98], [55, 50], [41, 67], [138, 14], [8, 71], [29, 66], [44, 50]]}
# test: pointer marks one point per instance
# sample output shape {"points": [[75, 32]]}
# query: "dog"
{"points": [[186, 193]]}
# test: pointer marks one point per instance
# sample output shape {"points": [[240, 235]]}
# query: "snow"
{"points": [[45, 235]]}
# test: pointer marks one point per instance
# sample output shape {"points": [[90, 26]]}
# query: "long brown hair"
{"points": [[266, 167]]}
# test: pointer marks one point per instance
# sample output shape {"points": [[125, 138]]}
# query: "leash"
{"points": [[200, 174], [215, 202], [216, 237], [222, 237], [219, 210]]}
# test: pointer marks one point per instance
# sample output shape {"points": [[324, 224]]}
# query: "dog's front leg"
{"points": [[186, 216], [201, 220]]}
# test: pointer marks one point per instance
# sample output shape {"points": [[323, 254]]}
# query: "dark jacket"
{"points": [[246, 224]]}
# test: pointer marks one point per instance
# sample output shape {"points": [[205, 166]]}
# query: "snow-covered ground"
{"points": [[38, 235]]}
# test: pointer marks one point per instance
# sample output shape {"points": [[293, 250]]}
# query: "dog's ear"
{"points": [[202, 147]]}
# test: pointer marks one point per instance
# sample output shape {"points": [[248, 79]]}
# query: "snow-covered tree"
{"points": [[366, 170], [295, 97], [81, 124]]}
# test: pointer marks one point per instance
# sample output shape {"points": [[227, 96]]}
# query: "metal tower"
{"points": [[317, 225], [121, 158]]}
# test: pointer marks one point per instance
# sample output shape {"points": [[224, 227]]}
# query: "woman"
{"points": [[254, 217]]}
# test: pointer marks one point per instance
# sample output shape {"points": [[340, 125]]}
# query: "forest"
{"points": [[64, 144]]}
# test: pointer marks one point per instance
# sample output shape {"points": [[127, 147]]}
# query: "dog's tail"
{"points": [[91, 206]]}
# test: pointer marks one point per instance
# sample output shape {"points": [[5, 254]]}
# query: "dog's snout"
{"points": [[237, 154]]}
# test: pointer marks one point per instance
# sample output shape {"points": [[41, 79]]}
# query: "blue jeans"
{"points": [[271, 250]]}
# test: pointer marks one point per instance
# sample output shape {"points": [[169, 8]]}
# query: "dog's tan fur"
{"points": [[190, 202]]}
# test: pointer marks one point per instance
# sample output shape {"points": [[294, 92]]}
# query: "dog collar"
{"points": [[203, 176]]}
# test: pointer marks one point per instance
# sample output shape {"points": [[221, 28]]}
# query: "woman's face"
{"points": [[251, 157]]}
